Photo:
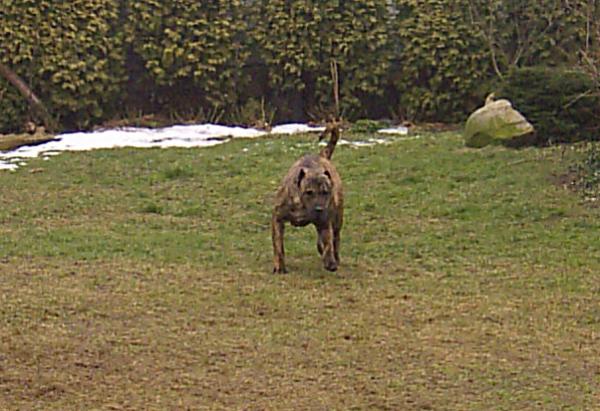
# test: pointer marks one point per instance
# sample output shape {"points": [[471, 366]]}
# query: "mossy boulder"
{"points": [[495, 122]]}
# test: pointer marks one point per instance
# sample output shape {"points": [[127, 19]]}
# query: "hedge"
{"points": [[443, 64], [434, 60], [192, 51], [70, 53], [557, 101], [297, 41]]}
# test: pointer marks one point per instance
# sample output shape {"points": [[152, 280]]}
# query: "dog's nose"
{"points": [[318, 209]]}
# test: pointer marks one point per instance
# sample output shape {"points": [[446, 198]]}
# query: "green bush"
{"points": [[528, 33], [13, 109], [192, 51], [442, 63], [93, 60], [70, 53], [297, 40], [17, 50], [560, 103]]}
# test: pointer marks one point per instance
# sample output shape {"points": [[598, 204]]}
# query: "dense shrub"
{"points": [[69, 52], [442, 64], [297, 40], [18, 50], [13, 108], [528, 33], [560, 103], [192, 50], [90, 60]]}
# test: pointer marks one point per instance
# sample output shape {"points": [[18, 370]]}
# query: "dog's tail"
{"points": [[333, 129]]}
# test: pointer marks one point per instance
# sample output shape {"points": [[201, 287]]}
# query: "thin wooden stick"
{"points": [[336, 88]]}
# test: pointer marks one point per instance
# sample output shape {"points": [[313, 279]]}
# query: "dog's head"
{"points": [[315, 187]]}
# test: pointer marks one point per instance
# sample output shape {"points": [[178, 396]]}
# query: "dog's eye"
{"points": [[310, 192]]}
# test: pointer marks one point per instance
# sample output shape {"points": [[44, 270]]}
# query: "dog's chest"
{"points": [[298, 216]]}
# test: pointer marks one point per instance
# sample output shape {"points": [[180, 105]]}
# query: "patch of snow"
{"points": [[7, 166], [365, 143], [294, 128], [201, 135], [401, 130]]}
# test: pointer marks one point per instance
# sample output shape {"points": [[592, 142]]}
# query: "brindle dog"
{"points": [[311, 193]]}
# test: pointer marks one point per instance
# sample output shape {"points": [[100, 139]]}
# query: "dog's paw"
{"points": [[331, 265], [279, 270]]}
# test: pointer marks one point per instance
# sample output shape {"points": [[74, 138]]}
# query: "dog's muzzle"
{"points": [[320, 215]]}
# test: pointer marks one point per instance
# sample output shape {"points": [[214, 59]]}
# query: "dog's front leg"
{"points": [[277, 229], [326, 238]]}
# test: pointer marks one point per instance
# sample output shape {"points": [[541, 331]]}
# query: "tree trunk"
{"points": [[36, 104]]}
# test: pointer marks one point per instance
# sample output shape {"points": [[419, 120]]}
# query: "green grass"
{"points": [[141, 279]]}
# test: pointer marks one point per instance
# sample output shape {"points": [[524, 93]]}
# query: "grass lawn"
{"points": [[140, 279]]}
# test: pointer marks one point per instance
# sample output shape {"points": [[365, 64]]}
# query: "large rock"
{"points": [[496, 121]]}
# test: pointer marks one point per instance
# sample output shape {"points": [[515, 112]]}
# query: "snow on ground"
{"points": [[202, 135], [400, 130]]}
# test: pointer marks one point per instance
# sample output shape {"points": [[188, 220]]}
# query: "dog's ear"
{"points": [[301, 175]]}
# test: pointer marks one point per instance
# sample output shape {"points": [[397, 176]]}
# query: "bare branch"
{"points": [[336, 87], [488, 33], [36, 104]]}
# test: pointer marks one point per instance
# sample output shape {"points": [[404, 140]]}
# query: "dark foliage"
{"points": [[560, 103]]}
